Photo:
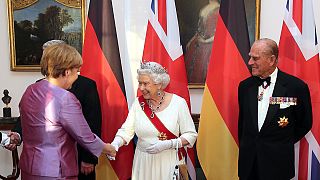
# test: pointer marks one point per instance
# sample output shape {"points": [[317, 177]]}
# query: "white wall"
{"points": [[272, 13], [16, 82]]}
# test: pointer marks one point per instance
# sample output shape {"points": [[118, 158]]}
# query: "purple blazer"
{"points": [[52, 123]]}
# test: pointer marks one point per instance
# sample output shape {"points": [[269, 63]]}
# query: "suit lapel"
{"points": [[278, 91], [253, 92]]}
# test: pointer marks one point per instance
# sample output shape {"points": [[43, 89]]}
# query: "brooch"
{"points": [[283, 122], [162, 136]]}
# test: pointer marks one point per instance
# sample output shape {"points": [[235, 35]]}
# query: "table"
{"points": [[8, 123]]}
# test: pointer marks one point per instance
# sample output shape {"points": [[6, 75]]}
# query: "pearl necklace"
{"points": [[153, 110]]}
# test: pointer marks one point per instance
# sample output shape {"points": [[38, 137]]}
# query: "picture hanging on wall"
{"points": [[197, 23], [34, 22]]}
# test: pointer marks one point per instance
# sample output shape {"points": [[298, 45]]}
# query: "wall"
{"points": [[16, 82]]}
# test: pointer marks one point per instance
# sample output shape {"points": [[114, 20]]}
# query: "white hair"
{"points": [[156, 72], [52, 42]]}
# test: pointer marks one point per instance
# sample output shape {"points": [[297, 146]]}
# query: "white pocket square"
{"points": [[284, 105]]}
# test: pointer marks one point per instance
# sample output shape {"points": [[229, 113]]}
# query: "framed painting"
{"points": [[34, 22], [198, 18]]}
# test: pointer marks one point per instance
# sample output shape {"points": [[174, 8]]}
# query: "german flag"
{"points": [[217, 144], [101, 62]]}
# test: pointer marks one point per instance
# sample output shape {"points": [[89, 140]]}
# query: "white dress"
{"points": [[177, 119]]}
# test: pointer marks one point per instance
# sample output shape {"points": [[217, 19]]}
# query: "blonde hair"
{"points": [[58, 58]]}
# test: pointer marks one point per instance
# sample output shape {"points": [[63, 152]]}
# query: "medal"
{"points": [[291, 101], [260, 96], [283, 122]]}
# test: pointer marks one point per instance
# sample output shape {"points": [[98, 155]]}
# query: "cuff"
{"points": [[5, 139]]}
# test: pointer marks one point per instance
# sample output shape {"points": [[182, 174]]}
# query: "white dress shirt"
{"points": [[263, 105], [5, 140]]}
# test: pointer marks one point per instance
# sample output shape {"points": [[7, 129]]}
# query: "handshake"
{"points": [[13, 141], [115, 145]]}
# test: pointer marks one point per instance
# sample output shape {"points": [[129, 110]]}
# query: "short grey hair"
{"points": [[156, 72], [52, 42]]}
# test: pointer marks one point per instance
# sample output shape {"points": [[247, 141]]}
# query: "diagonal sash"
{"points": [[163, 131]]}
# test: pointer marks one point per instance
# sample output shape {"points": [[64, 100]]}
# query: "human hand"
{"points": [[163, 145], [11, 147], [117, 142], [14, 138], [14, 141], [159, 146], [86, 168], [109, 150]]}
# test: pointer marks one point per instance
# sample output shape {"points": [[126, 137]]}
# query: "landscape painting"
{"points": [[34, 22]]}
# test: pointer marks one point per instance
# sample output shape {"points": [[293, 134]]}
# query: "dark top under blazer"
{"points": [[273, 146], [86, 92]]}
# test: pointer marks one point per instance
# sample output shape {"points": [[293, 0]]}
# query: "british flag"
{"points": [[299, 55], [162, 45]]}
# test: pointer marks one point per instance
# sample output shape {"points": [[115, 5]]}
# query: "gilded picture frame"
{"points": [[34, 22], [190, 16]]}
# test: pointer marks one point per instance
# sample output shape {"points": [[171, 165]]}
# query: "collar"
{"points": [[274, 76]]}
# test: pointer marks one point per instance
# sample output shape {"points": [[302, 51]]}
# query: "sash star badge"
{"points": [[283, 122], [162, 136]]}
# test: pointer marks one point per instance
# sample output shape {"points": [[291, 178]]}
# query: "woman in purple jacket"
{"points": [[52, 120]]}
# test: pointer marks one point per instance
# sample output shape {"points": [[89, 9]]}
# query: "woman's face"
{"points": [[147, 87]]}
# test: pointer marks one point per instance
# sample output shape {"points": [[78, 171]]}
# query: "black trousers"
{"points": [[91, 176], [254, 174]]}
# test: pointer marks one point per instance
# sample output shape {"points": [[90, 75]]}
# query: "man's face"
{"points": [[260, 63]]}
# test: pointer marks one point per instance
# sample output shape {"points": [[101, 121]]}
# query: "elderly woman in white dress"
{"points": [[161, 121]]}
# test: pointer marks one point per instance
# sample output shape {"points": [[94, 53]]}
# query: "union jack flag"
{"points": [[162, 45], [299, 55]]}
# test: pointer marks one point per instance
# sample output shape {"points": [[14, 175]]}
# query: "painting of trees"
{"points": [[49, 24], [48, 20]]}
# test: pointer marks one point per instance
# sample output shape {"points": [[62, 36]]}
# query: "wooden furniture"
{"points": [[8, 123]]}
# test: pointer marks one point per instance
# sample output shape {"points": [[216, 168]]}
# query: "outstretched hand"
{"points": [[109, 150]]}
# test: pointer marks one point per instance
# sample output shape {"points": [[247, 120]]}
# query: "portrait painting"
{"points": [[34, 22], [197, 23]]}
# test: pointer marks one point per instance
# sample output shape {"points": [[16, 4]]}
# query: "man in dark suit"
{"points": [[274, 113]]}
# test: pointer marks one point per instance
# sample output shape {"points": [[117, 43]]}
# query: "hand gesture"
{"points": [[109, 150]]}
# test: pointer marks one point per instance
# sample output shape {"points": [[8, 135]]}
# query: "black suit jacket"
{"points": [[86, 92], [273, 146]]}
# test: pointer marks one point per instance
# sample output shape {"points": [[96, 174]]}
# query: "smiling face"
{"points": [[147, 87], [261, 62]]}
